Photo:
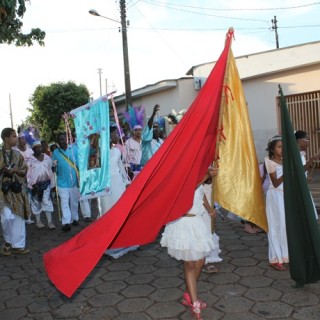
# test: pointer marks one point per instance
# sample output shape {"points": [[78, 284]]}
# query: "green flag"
{"points": [[302, 229]]}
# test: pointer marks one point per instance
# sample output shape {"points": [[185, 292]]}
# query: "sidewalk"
{"points": [[147, 284]]}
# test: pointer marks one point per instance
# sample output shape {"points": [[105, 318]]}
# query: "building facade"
{"points": [[296, 69]]}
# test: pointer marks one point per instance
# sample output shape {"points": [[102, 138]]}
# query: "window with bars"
{"points": [[305, 115]]}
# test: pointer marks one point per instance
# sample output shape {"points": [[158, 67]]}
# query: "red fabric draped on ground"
{"points": [[162, 192]]}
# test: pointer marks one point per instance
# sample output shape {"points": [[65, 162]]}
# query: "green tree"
{"points": [[49, 103], [11, 13]]}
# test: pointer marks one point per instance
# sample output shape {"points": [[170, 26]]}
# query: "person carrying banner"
{"points": [[118, 176], [66, 157], [118, 183], [189, 239]]}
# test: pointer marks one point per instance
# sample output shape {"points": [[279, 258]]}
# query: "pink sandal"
{"points": [[196, 310], [188, 303], [278, 266]]}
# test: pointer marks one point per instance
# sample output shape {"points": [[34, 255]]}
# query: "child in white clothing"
{"points": [[277, 235], [190, 240]]}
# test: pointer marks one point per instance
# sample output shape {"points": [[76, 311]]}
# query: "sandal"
{"points": [[187, 301], [210, 268], [278, 266], [6, 249], [20, 250], [196, 310]]}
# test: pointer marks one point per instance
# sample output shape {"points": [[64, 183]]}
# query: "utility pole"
{"points": [[100, 72], [10, 111], [275, 28], [125, 53]]}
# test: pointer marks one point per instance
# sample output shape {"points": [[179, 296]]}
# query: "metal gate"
{"points": [[304, 112]]}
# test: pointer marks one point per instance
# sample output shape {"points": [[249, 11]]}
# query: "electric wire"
{"points": [[203, 13], [235, 9], [162, 38]]}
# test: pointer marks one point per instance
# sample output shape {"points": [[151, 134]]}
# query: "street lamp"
{"points": [[124, 48], [97, 14]]}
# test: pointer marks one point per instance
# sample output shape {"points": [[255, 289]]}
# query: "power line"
{"points": [[199, 29], [236, 9], [177, 29], [202, 13], [307, 26], [162, 38], [131, 5]]}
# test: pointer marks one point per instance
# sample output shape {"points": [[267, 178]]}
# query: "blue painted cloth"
{"points": [[93, 119], [66, 175]]}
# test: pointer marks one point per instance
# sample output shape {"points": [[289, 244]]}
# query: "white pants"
{"points": [[45, 205], [69, 201], [85, 208], [13, 228]]}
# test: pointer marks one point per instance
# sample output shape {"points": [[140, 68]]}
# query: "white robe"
{"points": [[277, 235], [118, 182]]}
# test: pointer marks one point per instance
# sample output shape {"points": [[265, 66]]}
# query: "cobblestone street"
{"points": [[148, 284]]}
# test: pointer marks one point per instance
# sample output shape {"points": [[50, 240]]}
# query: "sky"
{"points": [[165, 39]]}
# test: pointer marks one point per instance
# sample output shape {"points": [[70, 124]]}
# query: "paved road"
{"points": [[147, 284]]}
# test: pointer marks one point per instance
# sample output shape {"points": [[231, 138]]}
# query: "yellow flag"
{"points": [[237, 187]]}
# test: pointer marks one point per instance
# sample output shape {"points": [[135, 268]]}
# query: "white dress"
{"points": [[118, 182], [188, 238], [277, 235]]}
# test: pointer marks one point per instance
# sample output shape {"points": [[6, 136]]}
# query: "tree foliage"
{"points": [[49, 103], [11, 14]]}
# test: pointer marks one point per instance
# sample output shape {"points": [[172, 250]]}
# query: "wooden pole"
{"points": [[219, 133]]}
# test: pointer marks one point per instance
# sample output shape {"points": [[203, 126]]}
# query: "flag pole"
{"points": [[215, 163]]}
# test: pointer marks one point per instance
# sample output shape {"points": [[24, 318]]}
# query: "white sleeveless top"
{"points": [[197, 207]]}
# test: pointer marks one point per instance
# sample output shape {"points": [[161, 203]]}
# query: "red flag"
{"points": [[162, 192]]}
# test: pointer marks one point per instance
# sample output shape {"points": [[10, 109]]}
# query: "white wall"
{"points": [[261, 94], [177, 98]]}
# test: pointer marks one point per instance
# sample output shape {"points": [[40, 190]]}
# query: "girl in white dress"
{"points": [[189, 239], [277, 235]]}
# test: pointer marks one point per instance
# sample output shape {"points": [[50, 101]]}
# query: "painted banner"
{"points": [[93, 141]]}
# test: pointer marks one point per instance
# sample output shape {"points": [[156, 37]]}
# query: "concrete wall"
{"points": [[177, 98], [261, 93]]}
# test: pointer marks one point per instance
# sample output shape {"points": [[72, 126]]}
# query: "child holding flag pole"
{"points": [[189, 239]]}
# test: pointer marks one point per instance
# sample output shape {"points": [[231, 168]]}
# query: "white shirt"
{"points": [[133, 151]]}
